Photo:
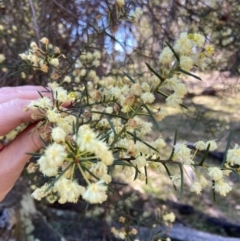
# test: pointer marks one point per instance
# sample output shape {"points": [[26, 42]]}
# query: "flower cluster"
{"points": [[42, 59], [183, 154], [98, 125], [68, 149], [181, 58], [85, 67], [186, 47]]}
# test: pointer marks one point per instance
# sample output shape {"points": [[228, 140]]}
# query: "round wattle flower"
{"points": [[233, 155], [196, 187], [186, 63], [222, 187], [182, 152], [55, 154], [166, 57], [69, 191], [199, 39], [215, 173], [200, 145], [213, 145], [53, 115], [86, 139], [141, 161], [101, 151], [147, 97], [183, 45], [173, 100], [46, 167], [54, 62], [99, 169], [136, 89], [58, 134], [96, 193], [40, 193], [169, 217]]}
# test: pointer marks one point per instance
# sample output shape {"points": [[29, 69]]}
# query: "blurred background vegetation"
{"points": [[124, 38]]}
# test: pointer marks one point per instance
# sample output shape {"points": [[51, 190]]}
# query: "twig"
{"points": [[62, 7], [35, 23]]}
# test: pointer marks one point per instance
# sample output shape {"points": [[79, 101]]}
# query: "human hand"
{"points": [[13, 156]]}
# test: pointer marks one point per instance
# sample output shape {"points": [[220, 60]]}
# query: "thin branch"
{"points": [[35, 23], [65, 9]]}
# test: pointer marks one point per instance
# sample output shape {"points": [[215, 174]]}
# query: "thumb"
{"points": [[13, 158]]}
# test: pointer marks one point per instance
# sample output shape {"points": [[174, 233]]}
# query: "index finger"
{"points": [[23, 92], [13, 113]]}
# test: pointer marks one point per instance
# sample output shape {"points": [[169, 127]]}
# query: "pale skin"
{"points": [[13, 157]]}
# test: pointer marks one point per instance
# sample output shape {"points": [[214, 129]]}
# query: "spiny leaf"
{"points": [[181, 173], [165, 95], [213, 191], [87, 170], [161, 93], [236, 174], [40, 94], [74, 127], [44, 142], [174, 143], [133, 81], [35, 154], [184, 106], [104, 136], [111, 189], [121, 163], [124, 197], [136, 173], [142, 141], [146, 174], [152, 116], [205, 155], [188, 73], [169, 174], [174, 52], [227, 147], [58, 177], [110, 114], [86, 90], [71, 147], [111, 124], [152, 70]]}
